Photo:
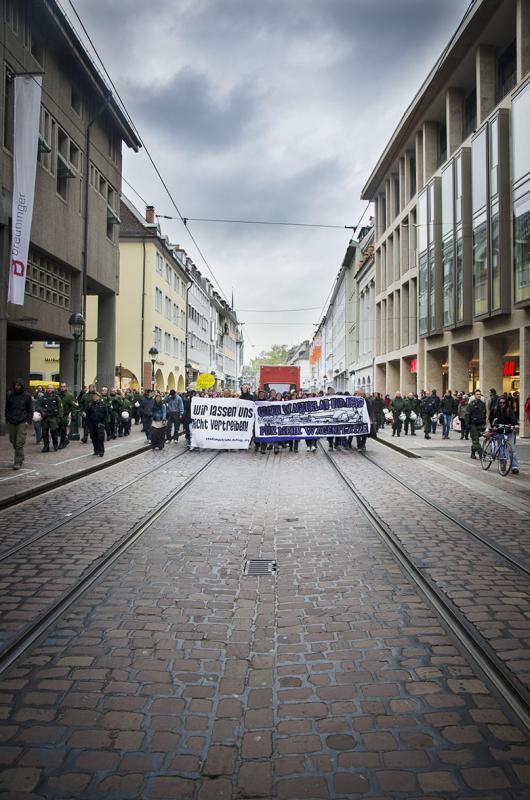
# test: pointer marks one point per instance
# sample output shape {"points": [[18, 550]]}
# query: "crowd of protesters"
{"points": [[110, 413]]}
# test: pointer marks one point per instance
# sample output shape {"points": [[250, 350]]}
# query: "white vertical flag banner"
{"points": [[26, 141]]}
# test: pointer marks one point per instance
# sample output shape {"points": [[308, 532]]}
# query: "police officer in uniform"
{"points": [[49, 407], [397, 406], [97, 414], [410, 404], [427, 409]]}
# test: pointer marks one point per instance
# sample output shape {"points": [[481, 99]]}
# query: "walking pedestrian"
{"points": [[446, 408], [19, 414], [49, 407], [146, 411], [158, 423], [68, 407], [97, 413], [476, 421], [175, 412], [397, 408]]}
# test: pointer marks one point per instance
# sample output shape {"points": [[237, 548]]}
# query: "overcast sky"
{"points": [[267, 110]]}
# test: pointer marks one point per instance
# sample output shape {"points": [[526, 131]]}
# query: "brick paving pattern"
{"points": [[493, 596], [177, 676]]}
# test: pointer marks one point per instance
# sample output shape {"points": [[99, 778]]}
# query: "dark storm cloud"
{"points": [[193, 114]]}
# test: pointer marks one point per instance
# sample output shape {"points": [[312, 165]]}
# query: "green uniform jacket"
{"points": [[475, 413], [397, 406], [68, 405]]}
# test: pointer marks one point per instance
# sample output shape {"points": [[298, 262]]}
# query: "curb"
{"points": [[28, 494], [398, 449]]}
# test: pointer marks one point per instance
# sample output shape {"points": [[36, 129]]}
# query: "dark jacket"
{"points": [[436, 402], [428, 406], [159, 412], [97, 414], [19, 406], [447, 405], [502, 416], [476, 412], [146, 405], [49, 405], [247, 396]]}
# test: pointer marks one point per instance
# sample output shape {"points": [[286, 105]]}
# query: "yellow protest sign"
{"points": [[205, 381]]}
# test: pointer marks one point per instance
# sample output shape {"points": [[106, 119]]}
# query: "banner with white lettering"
{"points": [[26, 139], [312, 418], [221, 423]]}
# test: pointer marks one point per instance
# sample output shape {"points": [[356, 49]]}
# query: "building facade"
{"points": [[201, 325], [451, 193], [151, 306], [74, 235], [298, 356], [361, 314]]}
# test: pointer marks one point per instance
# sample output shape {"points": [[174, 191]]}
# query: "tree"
{"points": [[276, 355]]}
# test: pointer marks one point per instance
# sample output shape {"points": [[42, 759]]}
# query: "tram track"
{"points": [[17, 647], [514, 693], [6, 554]]}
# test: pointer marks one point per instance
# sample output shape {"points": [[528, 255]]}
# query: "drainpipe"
{"points": [[188, 287]]}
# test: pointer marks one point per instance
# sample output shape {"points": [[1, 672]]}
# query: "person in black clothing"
{"points": [[246, 394], [186, 417], [19, 414], [50, 407], [436, 403], [500, 416], [97, 417]]}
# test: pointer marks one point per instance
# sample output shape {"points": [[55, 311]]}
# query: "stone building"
{"points": [[452, 205], [74, 243]]}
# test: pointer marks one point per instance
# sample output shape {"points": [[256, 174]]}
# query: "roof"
{"points": [[81, 55], [476, 17]]}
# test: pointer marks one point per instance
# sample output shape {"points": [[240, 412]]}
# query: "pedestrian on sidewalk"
{"points": [[19, 414], [97, 415], [146, 411], [462, 405], [158, 424], [476, 422], [447, 413], [49, 408], [175, 412]]}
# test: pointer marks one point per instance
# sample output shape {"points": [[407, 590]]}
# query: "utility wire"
{"points": [[258, 222], [146, 149]]}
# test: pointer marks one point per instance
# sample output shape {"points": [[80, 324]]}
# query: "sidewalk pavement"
{"points": [[453, 454], [47, 468]]}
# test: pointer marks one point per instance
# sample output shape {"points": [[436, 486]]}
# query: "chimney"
{"points": [[150, 215]]}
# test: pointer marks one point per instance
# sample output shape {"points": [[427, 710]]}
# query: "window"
{"points": [[506, 71], [158, 337], [175, 314], [480, 265], [168, 307], [47, 134], [521, 133], [422, 294], [448, 282], [158, 300], [168, 274], [459, 276], [479, 159], [176, 283], [183, 350], [412, 176], [521, 214], [442, 144], [448, 246], [159, 263], [76, 101], [175, 347], [182, 319], [470, 113], [422, 222], [495, 258], [167, 344]]}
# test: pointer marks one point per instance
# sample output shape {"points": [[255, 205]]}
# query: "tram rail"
{"points": [[31, 633], [510, 688]]}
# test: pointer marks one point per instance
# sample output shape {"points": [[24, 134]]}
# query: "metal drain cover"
{"points": [[260, 566]]}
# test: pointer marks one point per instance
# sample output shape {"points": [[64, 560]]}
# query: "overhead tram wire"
{"points": [[260, 222], [146, 149]]}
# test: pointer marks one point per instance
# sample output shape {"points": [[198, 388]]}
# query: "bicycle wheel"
{"points": [[488, 454], [505, 459]]}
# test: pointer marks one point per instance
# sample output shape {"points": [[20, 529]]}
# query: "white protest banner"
{"points": [[221, 423], [311, 418], [26, 139]]}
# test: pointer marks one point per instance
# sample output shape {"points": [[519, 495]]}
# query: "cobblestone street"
{"points": [[177, 675]]}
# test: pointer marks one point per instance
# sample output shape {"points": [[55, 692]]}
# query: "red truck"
{"points": [[282, 378]]}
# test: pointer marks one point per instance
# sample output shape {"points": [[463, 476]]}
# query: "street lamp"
{"points": [[77, 325], [153, 352]]}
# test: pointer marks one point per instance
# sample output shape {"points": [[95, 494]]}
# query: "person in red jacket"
{"points": [[527, 407]]}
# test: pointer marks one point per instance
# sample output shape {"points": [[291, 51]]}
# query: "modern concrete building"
{"points": [[361, 314], [451, 193], [74, 236], [151, 305]]}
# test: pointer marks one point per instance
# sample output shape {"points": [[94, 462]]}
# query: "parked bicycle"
{"points": [[497, 447]]}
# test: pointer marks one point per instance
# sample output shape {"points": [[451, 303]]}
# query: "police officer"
{"points": [[476, 420], [410, 405], [115, 409], [68, 407], [97, 414], [49, 407], [84, 400], [427, 408], [397, 406]]}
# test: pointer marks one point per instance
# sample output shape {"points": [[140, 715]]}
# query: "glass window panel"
{"points": [[521, 212], [432, 294], [479, 170], [422, 294], [480, 265], [422, 222], [459, 276], [447, 200], [448, 282], [494, 156], [521, 133], [458, 189], [430, 212], [495, 261]]}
